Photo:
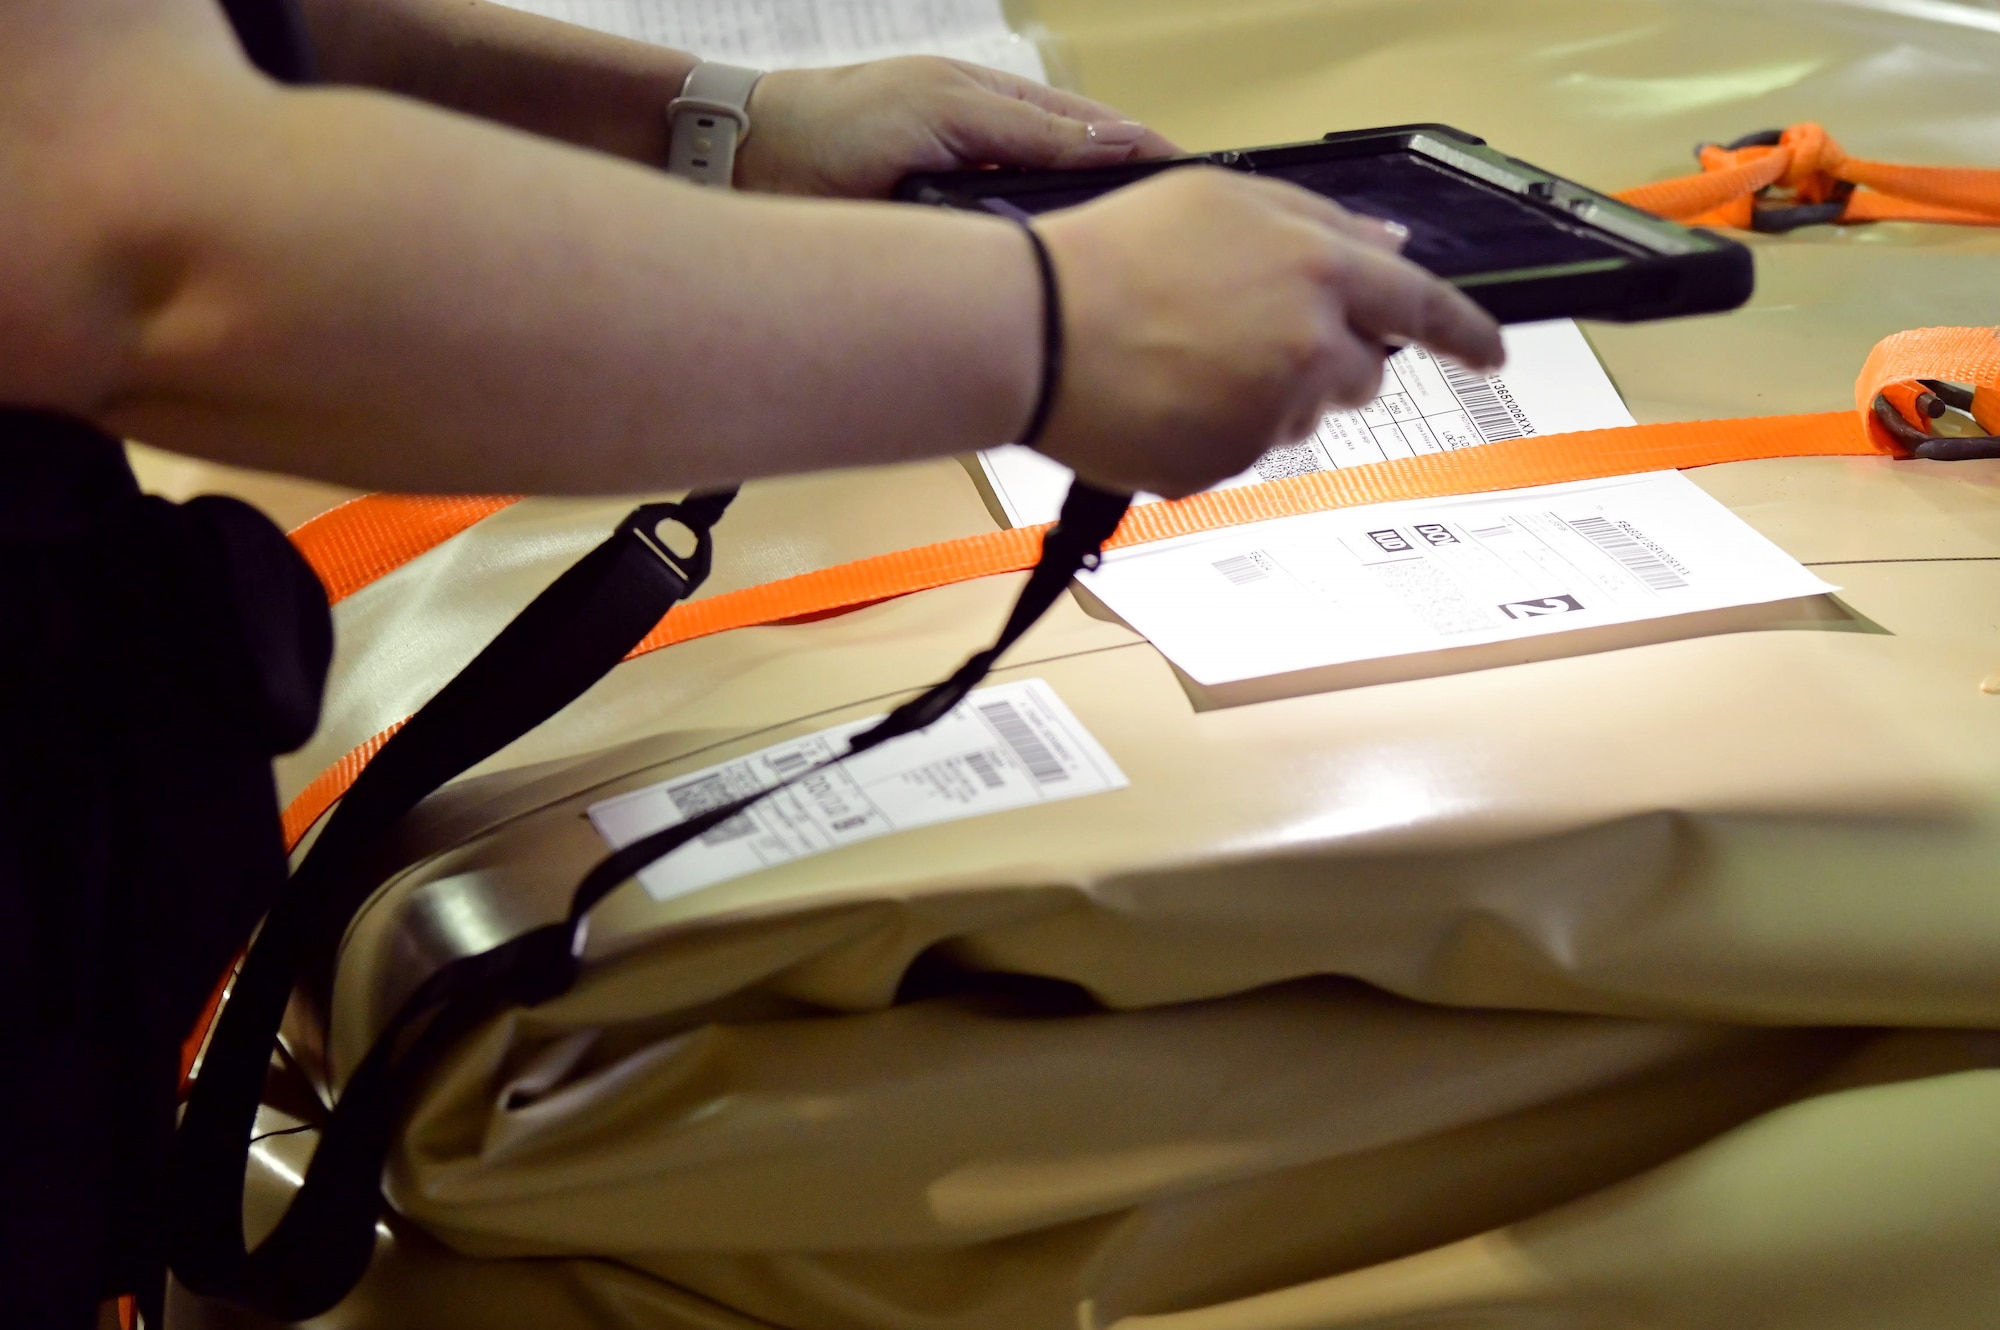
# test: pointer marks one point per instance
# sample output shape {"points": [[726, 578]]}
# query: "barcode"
{"points": [[711, 791], [1027, 745], [986, 769], [1298, 459], [1242, 569], [1623, 546], [1475, 393]]}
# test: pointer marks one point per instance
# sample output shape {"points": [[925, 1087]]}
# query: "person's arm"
{"points": [[554, 79], [354, 287], [364, 289], [851, 132]]}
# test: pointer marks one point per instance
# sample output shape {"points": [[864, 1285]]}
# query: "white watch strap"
{"points": [[708, 121]]}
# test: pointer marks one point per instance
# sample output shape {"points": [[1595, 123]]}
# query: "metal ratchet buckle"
{"points": [[1941, 406]]}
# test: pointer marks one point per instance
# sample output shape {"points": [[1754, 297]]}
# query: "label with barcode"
{"points": [[1480, 395], [1005, 747], [1426, 577], [1243, 569], [1624, 542]]}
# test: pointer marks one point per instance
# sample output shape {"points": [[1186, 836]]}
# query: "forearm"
{"points": [[549, 78], [367, 290], [371, 292]]}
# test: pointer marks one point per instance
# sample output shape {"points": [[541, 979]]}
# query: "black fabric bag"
{"points": [[153, 658]]}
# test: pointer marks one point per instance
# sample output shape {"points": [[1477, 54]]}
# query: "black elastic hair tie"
{"points": [[1052, 337]]}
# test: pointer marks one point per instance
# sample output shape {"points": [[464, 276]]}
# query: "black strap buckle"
{"points": [[1779, 217], [1938, 397], [678, 535]]}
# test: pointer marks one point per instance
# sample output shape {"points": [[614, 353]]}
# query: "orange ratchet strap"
{"points": [[1778, 180], [363, 534], [370, 537]]}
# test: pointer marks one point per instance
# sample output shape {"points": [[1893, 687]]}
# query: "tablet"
{"points": [[1522, 242]]}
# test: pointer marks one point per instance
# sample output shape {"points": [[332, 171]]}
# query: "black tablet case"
{"points": [[1522, 242]]}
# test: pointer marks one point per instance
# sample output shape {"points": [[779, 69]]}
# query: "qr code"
{"points": [[711, 791], [1298, 459]]}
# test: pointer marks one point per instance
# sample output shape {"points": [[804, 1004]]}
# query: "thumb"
{"points": [[991, 129]]}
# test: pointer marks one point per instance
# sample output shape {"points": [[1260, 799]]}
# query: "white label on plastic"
{"points": [[1004, 747], [1392, 579]]}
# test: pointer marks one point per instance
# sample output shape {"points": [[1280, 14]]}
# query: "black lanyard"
{"points": [[572, 635]]}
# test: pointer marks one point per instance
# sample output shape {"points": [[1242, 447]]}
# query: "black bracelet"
{"points": [[1052, 338]]}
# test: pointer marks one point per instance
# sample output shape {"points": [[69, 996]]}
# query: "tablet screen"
{"points": [[1458, 226]]}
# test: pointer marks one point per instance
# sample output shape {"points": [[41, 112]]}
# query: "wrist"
{"points": [[1077, 263], [756, 169], [1023, 392], [982, 330], [780, 154], [1049, 375]]}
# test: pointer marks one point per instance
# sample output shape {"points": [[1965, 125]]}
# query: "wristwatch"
{"points": [[709, 121]]}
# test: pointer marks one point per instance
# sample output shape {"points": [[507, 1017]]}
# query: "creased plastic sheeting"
{"points": [[1867, 1203], [1858, 1210], [1789, 832], [865, 1172]]}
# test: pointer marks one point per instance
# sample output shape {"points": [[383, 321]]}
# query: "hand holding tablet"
{"points": [[1212, 316], [1525, 244], [1216, 307]]}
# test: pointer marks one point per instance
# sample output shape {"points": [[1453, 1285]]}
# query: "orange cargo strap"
{"points": [[1821, 183], [1964, 355], [370, 537]]}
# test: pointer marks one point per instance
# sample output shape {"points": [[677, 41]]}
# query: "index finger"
{"points": [[1388, 299], [1330, 213]]}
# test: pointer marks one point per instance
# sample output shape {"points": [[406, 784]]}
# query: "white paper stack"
{"points": [[794, 34]]}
